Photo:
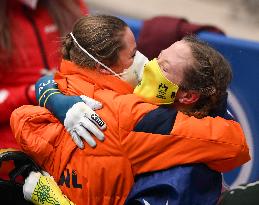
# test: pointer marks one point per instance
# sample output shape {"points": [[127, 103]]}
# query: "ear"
{"points": [[188, 97]]}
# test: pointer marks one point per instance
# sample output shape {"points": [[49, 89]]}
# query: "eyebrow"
{"points": [[166, 61]]}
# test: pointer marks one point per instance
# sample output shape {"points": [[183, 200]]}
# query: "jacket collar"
{"points": [[78, 77]]}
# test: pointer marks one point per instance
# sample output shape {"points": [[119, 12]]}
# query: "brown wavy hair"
{"points": [[100, 35], [209, 74]]}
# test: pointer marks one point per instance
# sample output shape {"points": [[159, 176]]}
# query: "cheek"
{"points": [[127, 63], [175, 77], [170, 77], [122, 64]]}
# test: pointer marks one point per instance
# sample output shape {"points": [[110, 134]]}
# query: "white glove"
{"points": [[81, 119]]}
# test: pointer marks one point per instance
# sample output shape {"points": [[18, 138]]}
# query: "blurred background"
{"points": [[237, 18]]}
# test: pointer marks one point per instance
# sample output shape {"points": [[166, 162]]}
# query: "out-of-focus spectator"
{"points": [[29, 44], [30, 32]]}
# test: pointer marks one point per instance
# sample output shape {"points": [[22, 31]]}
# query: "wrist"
{"points": [[44, 87], [44, 99]]}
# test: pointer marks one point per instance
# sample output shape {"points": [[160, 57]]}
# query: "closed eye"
{"points": [[164, 66]]}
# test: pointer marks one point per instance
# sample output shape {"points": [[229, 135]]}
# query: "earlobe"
{"points": [[181, 100], [189, 97], [102, 70]]}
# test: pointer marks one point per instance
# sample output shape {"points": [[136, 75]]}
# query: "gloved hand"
{"points": [[43, 190], [81, 119], [76, 113]]}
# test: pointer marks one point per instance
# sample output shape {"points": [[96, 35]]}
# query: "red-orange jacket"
{"points": [[105, 175]]}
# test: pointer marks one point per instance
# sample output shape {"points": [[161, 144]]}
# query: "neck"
{"points": [[185, 108]]}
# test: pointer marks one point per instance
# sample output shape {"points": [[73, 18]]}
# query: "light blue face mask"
{"points": [[131, 75]]}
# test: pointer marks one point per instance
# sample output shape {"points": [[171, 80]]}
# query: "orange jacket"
{"points": [[105, 175]]}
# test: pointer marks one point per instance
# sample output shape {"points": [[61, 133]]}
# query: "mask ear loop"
{"points": [[91, 56]]}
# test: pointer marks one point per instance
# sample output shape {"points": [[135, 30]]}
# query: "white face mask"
{"points": [[131, 75], [32, 4]]}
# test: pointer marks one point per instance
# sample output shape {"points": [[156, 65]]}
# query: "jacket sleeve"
{"points": [[38, 133], [217, 142], [12, 98], [223, 140]]}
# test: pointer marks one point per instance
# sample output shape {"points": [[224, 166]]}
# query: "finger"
{"points": [[98, 121], [86, 135], [95, 118], [91, 127], [77, 139], [93, 104]]}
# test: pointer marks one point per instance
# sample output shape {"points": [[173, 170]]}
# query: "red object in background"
{"points": [[35, 51], [160, 32], [5, 167]]}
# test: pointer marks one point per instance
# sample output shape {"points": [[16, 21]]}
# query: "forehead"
{"points": [[178, 56], [175, 60], [179, 52], [129, 39]]}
